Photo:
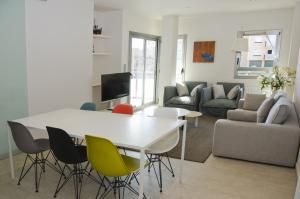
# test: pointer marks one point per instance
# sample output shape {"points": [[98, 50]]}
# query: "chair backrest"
{"points": [[105, 157], [88, 106], [123, 109], [170, 113], [62, 146], [23, 138]]}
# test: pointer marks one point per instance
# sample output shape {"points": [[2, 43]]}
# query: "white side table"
{"points": [[195, 115]]}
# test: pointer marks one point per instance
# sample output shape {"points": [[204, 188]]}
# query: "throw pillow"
{"points": [[279, 112], [264, 109], [279, 94], [182, 89], [233, 92], [253, 101], [194, 91], [218, 91]]}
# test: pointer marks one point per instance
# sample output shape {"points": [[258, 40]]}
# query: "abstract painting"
{"points": [[204, 51]]}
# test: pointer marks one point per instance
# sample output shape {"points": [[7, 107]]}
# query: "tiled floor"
{"points": [[217, 178]]}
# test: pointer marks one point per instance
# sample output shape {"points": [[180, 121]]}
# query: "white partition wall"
{"points": [[13, 88], [167, 65], [59, 53]]}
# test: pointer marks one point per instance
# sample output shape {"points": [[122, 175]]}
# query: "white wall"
{"points": [[167, 75], [223, 29], [295, 37], [297, 104], [59, 53], [111, 23], [136, 23]]}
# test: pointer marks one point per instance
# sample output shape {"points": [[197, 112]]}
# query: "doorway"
{"points": [[143, 59]]}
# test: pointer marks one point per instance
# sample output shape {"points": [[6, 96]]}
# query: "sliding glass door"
{"points": [[143, 66]]}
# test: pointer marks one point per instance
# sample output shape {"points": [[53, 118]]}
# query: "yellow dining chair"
{"points": [[106, 160]]}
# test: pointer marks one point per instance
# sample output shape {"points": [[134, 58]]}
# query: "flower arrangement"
{"points": [[280, 78]]}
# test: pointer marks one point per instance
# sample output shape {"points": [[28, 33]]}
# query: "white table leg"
{"points": [[182, 151], [11, 160], [142, 174], [196, 121]]}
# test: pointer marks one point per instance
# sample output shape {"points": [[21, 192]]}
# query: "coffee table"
{"points": [[194, 115], [149, 111]]}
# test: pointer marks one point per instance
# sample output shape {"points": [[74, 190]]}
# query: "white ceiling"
{"points": [[159, 8]]}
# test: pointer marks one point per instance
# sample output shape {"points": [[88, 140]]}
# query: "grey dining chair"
{"points": [[33, 148]]}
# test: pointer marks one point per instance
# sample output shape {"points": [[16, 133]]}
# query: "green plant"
{"points": [[278, 79]]}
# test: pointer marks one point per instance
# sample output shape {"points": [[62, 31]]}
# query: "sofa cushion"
{"points": [[253, 101], [186, 100], [218, 91], [264, 109], [194, 91], [279, 112], [233, 92], [221, 103], [182, 89], [242, 115]]}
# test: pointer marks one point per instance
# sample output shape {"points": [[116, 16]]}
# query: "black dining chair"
{"points": [[71, 155], [33, 148]]}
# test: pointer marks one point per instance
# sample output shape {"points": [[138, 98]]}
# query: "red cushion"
{"points": [[123, 109]]}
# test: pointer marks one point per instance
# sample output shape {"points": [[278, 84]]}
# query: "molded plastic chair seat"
{"points": [[82, 154], [88, 106], [67, 152], [33, 148], [106, 159], [43, 144], [132, 164], [123, 109], [164, 145], [159, 149]]}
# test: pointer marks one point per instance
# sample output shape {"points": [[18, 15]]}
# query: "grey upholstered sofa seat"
{"points": [[219, 107], [171, 98], [269, 143]]}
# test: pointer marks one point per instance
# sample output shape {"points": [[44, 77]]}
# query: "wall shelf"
{"points": [[101, 54], [101, 36]]}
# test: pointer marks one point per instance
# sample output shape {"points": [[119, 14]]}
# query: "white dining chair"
{"points": [[159, 150]]}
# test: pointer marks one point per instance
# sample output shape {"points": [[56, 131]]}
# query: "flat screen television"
{"points": [[115, 86]]}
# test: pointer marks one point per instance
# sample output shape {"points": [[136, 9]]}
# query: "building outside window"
{"points": [[262, 56]]}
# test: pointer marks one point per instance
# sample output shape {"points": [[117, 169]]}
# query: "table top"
{"points": [[136, 131], [194, 114], [149, 111]]}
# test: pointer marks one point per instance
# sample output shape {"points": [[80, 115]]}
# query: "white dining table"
{"points": [[136, 132]]}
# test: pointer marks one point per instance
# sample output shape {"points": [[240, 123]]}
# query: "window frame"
{"points": [[237, 67], [184, 53]]}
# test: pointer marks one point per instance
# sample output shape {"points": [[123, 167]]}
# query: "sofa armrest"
{"points": [[206, 95], [198, 97], [169, 92], [259, 142], [240, 95], [241, 103], [242, 115]]}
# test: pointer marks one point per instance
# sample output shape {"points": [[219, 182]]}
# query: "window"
{"points": [[262, 56], [180, 61]]}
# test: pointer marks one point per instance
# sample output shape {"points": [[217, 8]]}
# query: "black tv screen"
{"points": [[114, 86]]}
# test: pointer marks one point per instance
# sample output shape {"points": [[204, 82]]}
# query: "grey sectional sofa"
{"points": [[171, 98], [219, 107], [276, 144]]}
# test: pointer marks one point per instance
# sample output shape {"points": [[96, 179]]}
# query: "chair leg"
{"points": [[20, 178], [172, 171], [36, 172], [160, 176]]}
